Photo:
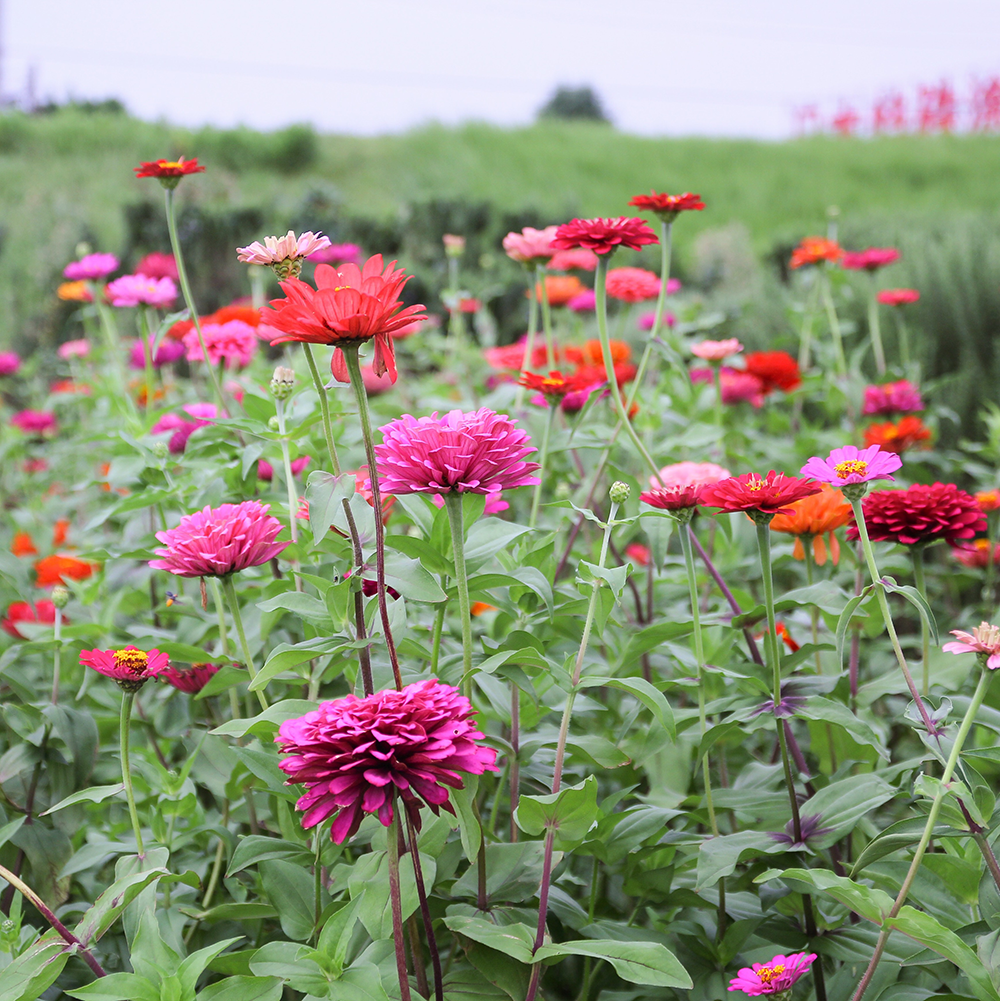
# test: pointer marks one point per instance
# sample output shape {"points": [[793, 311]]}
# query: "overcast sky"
{"points": [[718, 67]]}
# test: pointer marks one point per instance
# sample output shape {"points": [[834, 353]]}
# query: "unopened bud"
{"points": [[160, 449], [454, 246], [60, 596], [619, 492], [273, 425], [282, 383]]}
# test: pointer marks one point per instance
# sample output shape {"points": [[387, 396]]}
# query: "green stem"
{"points": [[831, 314], [904, 341], [56, 654], [110, 329], [175, 246], [436, 631], [234, 607], [717, 381], [917, 555], [286, 460], [992, 521], [234, 702], [807, 543], [942, 790], [123, 738], [875, 328], [805, 337], [396, 905], [324, 407], [453, 502], [147, 356], [529, 347], [546, 436], [550, 344]]}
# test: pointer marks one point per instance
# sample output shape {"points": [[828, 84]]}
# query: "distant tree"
{"points": [[576, 104]]}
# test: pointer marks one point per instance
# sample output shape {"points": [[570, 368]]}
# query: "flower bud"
{"points": [[282, 383], [60, 596], [454, 246], [273, 425], [619, 492], [160, 449]]}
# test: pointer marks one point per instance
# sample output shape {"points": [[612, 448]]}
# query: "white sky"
{"points": [[716, 67]]}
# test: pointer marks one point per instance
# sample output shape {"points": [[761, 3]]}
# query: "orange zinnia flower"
{"points": [[560, 289], [59, 530], [898, 437], [590, 353], [813, 518], [478, 607], [988, 500], [52, 570], [74, 292], [814, 250], [23, 545]]}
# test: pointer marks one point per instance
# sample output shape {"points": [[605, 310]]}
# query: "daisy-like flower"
{"points": [[869, 260], [892, 398], [283, 254], [679, 501], [130, 667], [135, 290], [898, 296], [976, 553], [42, 612], [349, 304], [215, 542], [815, 250], [158, 265], [530, 246], [920, 514], [774, 977], [760, 496], [560, 289], [91, 268], [984, 640], [667, 207], [814, 519], [603, 236], [234, 342], [556, 385], [355, 756], [10, 362], [632, 284], [716, 350], [850, 467], [683, 474], [775, 369], [191, 680], [169, 172], [479, 452], [898, 437]]}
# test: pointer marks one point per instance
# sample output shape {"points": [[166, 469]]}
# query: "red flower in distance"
{"points": [[974, 554], [898, 296], [815, 250], [603, 236], [43, 612], [898, 437], [771, 494], [632, 284], [920, 514], [869, 260], [52, 570], [192, 680], [667, 207], [775, 369], [556, 385], [169, 172], [350, 304]]}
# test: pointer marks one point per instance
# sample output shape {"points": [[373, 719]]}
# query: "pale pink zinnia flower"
{"points": [[91, 268], [218, 541], [578, 259], [774, 977], [632, 284], [716, 350], [10, 362], [355, 756], [130, 667], [690, 474], [74, 349], [479, 452], [235, 341], [136, 290], [983, 640], [276, 249], [531, 245]]}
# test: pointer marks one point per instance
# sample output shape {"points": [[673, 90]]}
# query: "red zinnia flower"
{"points": [[603, 236], [771, 494], [869, 260], [352, 304], [638, 552], [920, 514], [23, 545], [667, 207], [897, 296], [43, 611], [673, 498], [775, 369], [909, 431], [192, 680], [52, 570], [555, 385], [169, 172], [130, 667], [814, 250]]}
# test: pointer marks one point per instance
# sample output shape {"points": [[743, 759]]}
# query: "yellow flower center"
{"points": [[845, 469], [768, 974], [135, 661], [755, 485], [171, 165]]}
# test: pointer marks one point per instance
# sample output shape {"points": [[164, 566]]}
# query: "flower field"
{"points": [[351, 650]]}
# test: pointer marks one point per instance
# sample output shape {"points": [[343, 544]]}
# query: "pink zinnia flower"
{"points": [[158, 265], [276, 249], [647, 320], [479, 452], [585, 302], [34, 421], [603, 236], [265, 471], [573, 260], [984, 640], [977, 553], [849, 465], [869, 260], [716, 350], [91, 268], [74, 349], [685, 474], [355, 756], [673, 498], [10, 362], [531, 245], [130, 667], [168, 352], [235, 342], [736, 385], [135, 290], [375, 384], [337, 253], [192, 680], [892, 398], [898, 296], [774, 977], [632, 284], [218, 541]]}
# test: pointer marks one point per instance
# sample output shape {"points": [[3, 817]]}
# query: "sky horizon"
{"points": [[659, 69]]}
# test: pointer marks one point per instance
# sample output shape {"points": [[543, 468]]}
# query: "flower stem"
{"points": [[550, 344], [234, 607], [293, 522], [515, 750], [453, 502], [396, 904], [425, 912], [831, 314], [807, 554], [147, 356], [529, 347], [175, 246], [234, 702], [547, 435], [110, 329], [56, 654], [992, 521], [932, 816], [917, 555], [123, 739], [876, 577], [324, 408], [875, 329], [805, 337]]}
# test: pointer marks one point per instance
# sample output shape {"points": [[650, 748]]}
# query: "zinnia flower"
{"points": [[682, 499], [849, 465], [585, 302], [55, 569], [43, 611], [10, 362], [135, 290], [639, 553], [74, 292], [920, 514], [337, 253], [556, 385], [647, 320], [192, 680], [265, 471], [74, 349], [166, 354], [716, 350], [988, 500], [530, 246], [158, 265], [869, 260], [775, 977], [775, 369], [479, 452], [560, 289], [218, 541], [898, 437], [130, 667], [590, 353], [735, 384], [976, 553], [234, 342], [683, 474], [814, 519], [603, 236], [897, 296], [892, 398], [356, 755], [169, 172], [984, 640], [351, 305], [632, 284], [768, 495], [283, 253], [667, 207], [815, 250], [510, 356], [92, 268], [573, 260], [23, 545], [36, 422]]}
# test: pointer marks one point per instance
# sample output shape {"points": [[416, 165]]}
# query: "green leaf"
{"points": [[243, 989], [410, 579], [720, 855], [325, 494], [571, 812], [870, 903], [825, 596], [469, 828], [844, 622], [828, 711], [652, 636], [900, 835], [487, 537], [369, 879], [614, 577], [306, 606], [915, 598], [637, 962], [290, 888], [266, 723], [95, 794], [514, 940], [110, 904], [513, 872], [256, 848], [35, 970], [118, 987], [650, 696], [194, 965], [841, 804]]}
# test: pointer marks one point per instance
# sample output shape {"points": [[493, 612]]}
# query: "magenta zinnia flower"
{"points": [[774, 977], [984, 640], [10, 362], [892, 398], [158, 265], [218, 541], [922, 513], [168, 352], [235, 342], [869, 260], [91, 268], [130, 667], [847, 465], [135, 290], [356, 755], [192, 680], [337, 253], [34, 421], [480, 452], [603, 236]]}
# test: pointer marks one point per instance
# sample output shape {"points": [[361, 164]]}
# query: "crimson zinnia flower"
{"points": [[192, 680], [603, 236], [679, 500], [869, 260], [775, 369], [350, 304], [169, 172], [218, 541], [130, 667], [356, 755], [667, 207], [920, 514], [770, 495], [556, 385], [898, 296]]}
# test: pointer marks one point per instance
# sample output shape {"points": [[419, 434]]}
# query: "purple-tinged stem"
{"points": [[396, 905]]}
